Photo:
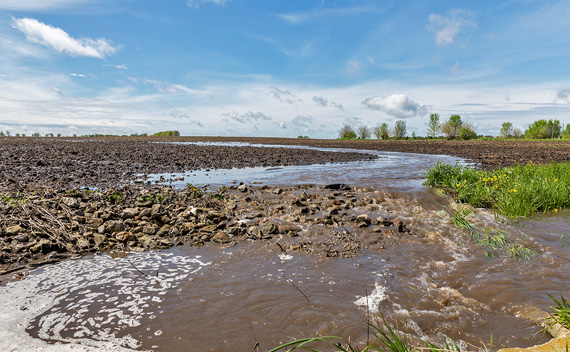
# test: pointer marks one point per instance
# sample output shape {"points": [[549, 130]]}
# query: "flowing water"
{"points": [[231, 299]]}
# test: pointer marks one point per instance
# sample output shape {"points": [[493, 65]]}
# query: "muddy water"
{"points": [[228, 299]]}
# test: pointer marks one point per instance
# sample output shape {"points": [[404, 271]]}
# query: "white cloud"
{"points": [[353, 67], [77, 75], [397, 105], [118, 67], [321, 101], [58, 39], [247, 117], [564, 94], [448, 26], [38, 5], [197, 3]]}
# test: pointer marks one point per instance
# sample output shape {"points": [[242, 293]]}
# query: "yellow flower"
{"points": [[458, 185], [556, 180], [555, 210]]}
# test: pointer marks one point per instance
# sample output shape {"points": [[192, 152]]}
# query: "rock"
{"points": [[99, 239], [277, 191], [209, 228], [82, 243], [125, 236], [149, 230], [164, 230], [13, 230], [254, 231], [143, 203], [44, 246], [363, 218], [268, 228], [113, 226], [242, 188], [338, 186], [70, 202], [221, 237], [129, 213], [24, 237], [384, 222], [156, 208]]}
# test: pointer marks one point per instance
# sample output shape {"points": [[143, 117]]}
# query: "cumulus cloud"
{"points": [[564, 94], [448, 26], [303, 121], [197, 3], [283, 95], [397, 105], [56, 38], [324, 102], [247, 117]]}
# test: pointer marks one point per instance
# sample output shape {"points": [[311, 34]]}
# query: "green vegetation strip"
{"points": [[390, 340], [511, 191]]}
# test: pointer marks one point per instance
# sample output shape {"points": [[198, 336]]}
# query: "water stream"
{"points": [[230, 299]]}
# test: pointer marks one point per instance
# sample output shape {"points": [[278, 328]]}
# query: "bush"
{"points": [[346, 132], [166, 134], [466, 132]]}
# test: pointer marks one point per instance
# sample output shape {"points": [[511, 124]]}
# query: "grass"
{"points": [[511, 191], [390, 340], [560, 312]]}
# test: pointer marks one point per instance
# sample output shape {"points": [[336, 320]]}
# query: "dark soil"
{"points": [[64, 163]]}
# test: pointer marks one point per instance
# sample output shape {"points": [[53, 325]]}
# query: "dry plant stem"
{"points": [[298, 289]]}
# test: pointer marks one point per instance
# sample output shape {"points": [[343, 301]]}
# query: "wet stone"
{"points": [[221, 237], [13, 230]]}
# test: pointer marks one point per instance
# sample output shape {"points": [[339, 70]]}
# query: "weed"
{"points": [[521, 252], [390, 340], [459, 220], [511, 191], [561, 312], [16, 201]]}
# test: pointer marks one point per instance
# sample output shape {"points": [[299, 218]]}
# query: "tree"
{"points": [[377, 132], [542, 129], [385, 131], [517, 133], [363, 132], [467, 131], [507, 130], [434, 126], [346, 132], [452, 127], [400, 129]]}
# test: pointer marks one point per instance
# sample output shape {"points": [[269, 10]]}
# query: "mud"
{"points": [[66, 163]]}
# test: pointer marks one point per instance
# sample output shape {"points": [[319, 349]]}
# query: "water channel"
{"points": [[218, 298]]}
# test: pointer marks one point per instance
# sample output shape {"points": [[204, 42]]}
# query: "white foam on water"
{"points": [[85, 305], [374, 298], [285, 257]]}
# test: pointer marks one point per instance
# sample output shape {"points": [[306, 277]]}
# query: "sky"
{"points": [[280, 68]]}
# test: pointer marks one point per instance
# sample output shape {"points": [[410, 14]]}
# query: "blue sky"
{"points": [[279, 67]]}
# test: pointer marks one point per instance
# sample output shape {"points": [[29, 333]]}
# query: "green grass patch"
{"points": [[389, 340], [511, 191], [560, 312]]}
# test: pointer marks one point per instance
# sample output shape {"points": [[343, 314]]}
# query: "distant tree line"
{"points": [[456, 128]]}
